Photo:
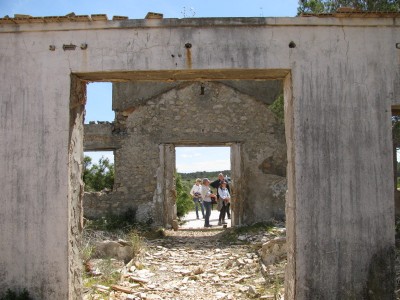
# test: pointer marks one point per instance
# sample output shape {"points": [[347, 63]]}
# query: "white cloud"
{"points": [[190, 155], [192, 159], [209, 165]]}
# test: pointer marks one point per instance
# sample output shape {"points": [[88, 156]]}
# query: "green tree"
{"points": [[311, 6], [98, 176], [277, 107], [184, 202], [330, 6]]}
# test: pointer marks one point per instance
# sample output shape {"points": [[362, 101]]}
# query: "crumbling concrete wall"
{"points": [[75, 186], [341, 79]]}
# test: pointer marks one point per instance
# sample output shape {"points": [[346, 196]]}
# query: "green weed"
{"points": [[11, 295], [136, 242], [87, 252]]}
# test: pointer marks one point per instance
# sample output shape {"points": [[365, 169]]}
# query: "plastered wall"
{"points": [[342, 76]]}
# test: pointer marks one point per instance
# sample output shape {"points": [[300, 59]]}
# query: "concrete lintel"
{"points": [[188, 75], [199, 143]]}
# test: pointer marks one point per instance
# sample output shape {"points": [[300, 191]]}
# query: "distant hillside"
{"points": [[203, 174]]}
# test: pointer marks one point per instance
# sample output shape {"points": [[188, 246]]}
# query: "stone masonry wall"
{"points": [[101, 204]]}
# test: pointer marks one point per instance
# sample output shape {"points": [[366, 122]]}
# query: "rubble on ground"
{"points": [[199, 265]]}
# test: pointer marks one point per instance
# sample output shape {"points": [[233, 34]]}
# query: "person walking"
{"points": [[223, 200], [195, 192], [206, 195]]}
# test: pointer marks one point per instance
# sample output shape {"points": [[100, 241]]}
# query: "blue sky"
{"points": [[135, 9], [98, 107]]}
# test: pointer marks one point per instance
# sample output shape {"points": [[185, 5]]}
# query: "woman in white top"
{"points": [[223, 200], [195, 192]]}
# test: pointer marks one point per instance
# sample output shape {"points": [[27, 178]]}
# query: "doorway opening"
{"points": [[193, 163], [396, 159], [255, 163], [396, 179], [98, 173], [99, 170]]}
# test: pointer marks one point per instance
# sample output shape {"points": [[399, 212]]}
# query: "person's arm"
{"points": [[215, 184], [228, 195], [220, 193], [203, 193], [192, 191]]}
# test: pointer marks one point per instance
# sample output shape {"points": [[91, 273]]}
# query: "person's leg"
{"points": [[202, 208], [196, 205], [206, 220], [228, 210], [220, 217], [223, 211], [207, 206]]}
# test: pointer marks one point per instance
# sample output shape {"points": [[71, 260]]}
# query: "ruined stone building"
{"points": [[340, 77], [152, 118]]}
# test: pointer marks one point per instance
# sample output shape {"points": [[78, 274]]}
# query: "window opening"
{"points": [[98, 171], [99, 165], [98, 106]]}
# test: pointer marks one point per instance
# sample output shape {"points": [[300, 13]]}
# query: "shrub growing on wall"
{"points": [[184, 202], [277, 107], [11, 295]]}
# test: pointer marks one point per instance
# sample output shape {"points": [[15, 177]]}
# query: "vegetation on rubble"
{"points": [[136, 242], [108, 270], [109, 274], [230, 235], [184, 201], [112, 222], [277, 107], [11, 295], [87, 252]]}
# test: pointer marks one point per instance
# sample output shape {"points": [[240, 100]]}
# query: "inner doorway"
{"points": [[192, 164], [168, 176], [165, 170]]}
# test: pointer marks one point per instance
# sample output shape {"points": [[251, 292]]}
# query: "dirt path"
{"points": [[193, 264]]}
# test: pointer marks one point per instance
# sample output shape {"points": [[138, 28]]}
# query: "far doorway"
{"points": [[200, 162]]}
